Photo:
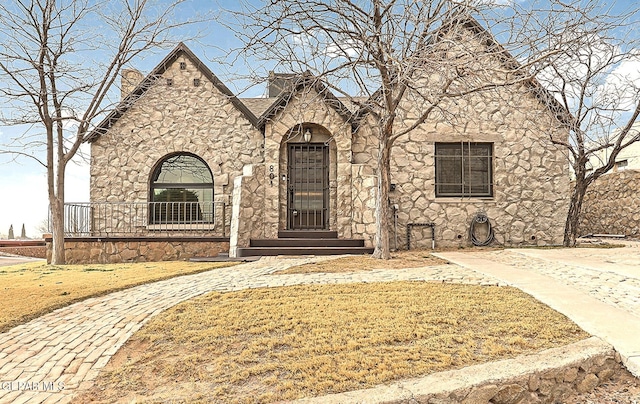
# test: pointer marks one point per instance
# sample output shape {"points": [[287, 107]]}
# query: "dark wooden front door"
{"points": [[308, 186]]}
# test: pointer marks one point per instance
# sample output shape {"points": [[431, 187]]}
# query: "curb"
{"points": [[551, 374]]}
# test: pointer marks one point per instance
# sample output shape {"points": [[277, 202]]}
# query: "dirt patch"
{"points": [[622, 388], [399, 260]]}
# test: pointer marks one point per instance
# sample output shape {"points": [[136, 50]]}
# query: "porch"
{"points": [[113, 232], [146, 219]]}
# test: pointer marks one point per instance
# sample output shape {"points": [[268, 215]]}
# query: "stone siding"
{"points": [[117, 250], [364, 202], [612, 205], [247, 219], [546, 387], [167, 119], [530, 174]]}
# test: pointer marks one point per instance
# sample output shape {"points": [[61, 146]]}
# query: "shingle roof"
{"points": [[258, 105]]}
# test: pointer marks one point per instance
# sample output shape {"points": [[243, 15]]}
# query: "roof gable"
{"points": [[152, 77], [539, 91], [305, 81], [503, 56]]}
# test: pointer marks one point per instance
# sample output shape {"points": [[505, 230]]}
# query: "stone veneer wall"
{"points": [[547, 377], [612, 205], [117, 250], [167, 119], [247, 219], [530, 174], [364, 202], [546, 387]]}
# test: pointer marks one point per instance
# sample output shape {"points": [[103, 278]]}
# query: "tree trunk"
{"points": [[573, 216], [57, 219], [382, 215], [56, 200]]}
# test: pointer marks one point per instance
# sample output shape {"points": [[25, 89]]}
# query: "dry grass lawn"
{"points": [[399, 260], [271, 344], [33, 289]]}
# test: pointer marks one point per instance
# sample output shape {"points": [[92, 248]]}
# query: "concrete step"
{"points": [[273, 251], [307, 234], [307, 242]]}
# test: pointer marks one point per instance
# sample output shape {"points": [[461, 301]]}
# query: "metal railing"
{"points": [[102, 219]]}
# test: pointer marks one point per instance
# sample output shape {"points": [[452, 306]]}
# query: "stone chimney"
{"points": [[129, 80], [280, 82]]}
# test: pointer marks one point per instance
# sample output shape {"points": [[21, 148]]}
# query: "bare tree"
{"points": [[405, 58], [596, 80], [43, 227], [59, 61]]}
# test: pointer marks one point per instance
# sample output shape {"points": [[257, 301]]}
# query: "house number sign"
{"points": [[272, 175]]}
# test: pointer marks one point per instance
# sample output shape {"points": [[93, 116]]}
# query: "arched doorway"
{"points": [[306, 156], [308, 186]]}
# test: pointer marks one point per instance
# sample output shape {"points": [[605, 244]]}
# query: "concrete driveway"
{"points": [[597, 288], [6, 260]]}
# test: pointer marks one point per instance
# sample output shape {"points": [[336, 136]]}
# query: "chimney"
{"points": [[281, 82], [129, 81]]}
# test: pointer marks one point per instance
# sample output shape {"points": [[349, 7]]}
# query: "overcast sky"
{"points": [[23, 196]]}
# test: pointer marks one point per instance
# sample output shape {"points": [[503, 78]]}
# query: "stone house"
{"points": [[183, 167], [611, 204]]}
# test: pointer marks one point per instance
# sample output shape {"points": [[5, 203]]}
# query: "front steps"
{"points": [[307, 242]]}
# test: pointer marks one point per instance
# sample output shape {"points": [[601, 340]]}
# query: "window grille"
{"points": [[181, 191], [464, 169]]}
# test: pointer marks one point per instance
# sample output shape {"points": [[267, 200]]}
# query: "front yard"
{"points": [[33, 289], [272, 344]]}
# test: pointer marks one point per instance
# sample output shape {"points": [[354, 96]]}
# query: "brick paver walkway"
{"points": [[48, 359]]}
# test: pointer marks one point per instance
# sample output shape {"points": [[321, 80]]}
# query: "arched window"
{"points": [[181, 191]]}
